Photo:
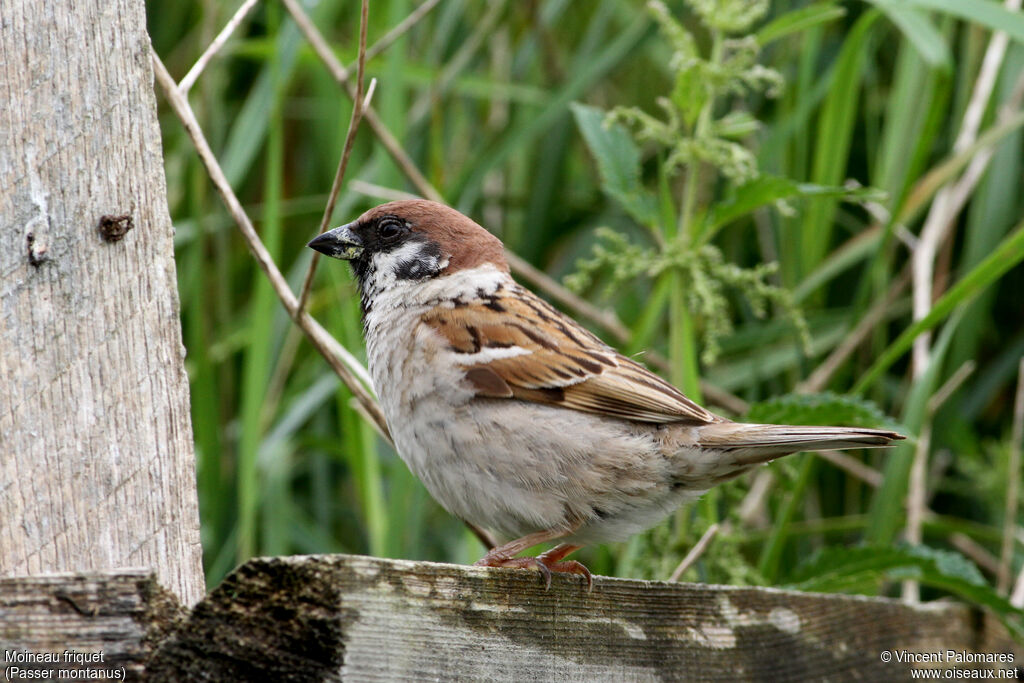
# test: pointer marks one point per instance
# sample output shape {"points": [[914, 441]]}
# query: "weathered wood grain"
{"points": [[96, 456], [360, 618], [75, 619]]}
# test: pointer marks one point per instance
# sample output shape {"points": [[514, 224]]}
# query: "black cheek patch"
{"points": [[423, 265], [413, 269]]}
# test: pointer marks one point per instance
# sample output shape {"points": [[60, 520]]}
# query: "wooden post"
{"points": [[96, 459]]}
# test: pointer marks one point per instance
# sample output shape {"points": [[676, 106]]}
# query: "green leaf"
{"points": [[618, 162], [799, 20], [913, 23], [844, 569], [835, 565], [819, 409], [768, 189], [984, 12], [735, 125]]}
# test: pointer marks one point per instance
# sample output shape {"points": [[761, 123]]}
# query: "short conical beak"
{"points": [[338, 243]]}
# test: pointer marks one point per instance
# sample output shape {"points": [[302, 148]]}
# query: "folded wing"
{"points": [[560, 364]]}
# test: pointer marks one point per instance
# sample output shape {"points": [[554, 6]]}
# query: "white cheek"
{"points": [[383, 276], [386, 262], [387, 292]]}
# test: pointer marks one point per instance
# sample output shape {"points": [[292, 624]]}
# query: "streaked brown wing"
{"points": [[564, 365]]}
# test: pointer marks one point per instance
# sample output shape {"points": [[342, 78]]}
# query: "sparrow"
{"points": [[514, 416]]}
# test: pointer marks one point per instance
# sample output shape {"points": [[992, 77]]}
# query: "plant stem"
{"points": [[682, 335], [700, 132], [682, 342]]}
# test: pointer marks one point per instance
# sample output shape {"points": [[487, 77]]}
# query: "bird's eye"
{"points": [[389, 229]]}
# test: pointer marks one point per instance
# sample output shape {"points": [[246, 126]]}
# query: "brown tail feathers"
{"points": [[756, 443]]}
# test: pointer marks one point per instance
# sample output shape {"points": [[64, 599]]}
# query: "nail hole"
{"points": [[114, 228]]}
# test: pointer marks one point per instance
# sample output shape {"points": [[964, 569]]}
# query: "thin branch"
{"points": [[876, 314], [950, 386], [1012, 485], [193, 74], [695, 553], [916, 502], [400, 29], [974, 550], [341, 75], [752, 507], [389, 194], [852, 466], [482, 31], [350, 137], [344, 364]]}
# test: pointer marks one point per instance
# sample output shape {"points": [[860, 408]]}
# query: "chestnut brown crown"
{"points": [[461, 241]]}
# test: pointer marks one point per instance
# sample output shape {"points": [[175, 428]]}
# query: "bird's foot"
{"points": [[546, 563]]}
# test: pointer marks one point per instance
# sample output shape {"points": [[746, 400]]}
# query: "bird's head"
{"points": [[409, 241]]}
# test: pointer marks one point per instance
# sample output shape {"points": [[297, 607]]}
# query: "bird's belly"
{"points": [[518, 467]]}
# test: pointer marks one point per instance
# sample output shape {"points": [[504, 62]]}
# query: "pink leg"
{"points": [[551, 561]]}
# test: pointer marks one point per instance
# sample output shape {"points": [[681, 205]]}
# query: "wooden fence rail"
{"points": [[322, 618]]}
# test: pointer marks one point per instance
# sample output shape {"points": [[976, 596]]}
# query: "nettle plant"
{"points": [[701, 142], [706, 178]]}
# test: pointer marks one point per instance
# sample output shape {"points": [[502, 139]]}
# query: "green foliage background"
{"points": [[482, 96]]}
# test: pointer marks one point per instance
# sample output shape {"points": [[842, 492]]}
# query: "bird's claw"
{"points": [[542, 564]]}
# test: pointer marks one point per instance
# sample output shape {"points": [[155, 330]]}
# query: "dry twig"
{"points": [[875, 315], [344, 364], [400, 29], [192, 76], [695, 552], [358, 105], [975, 551], [852, 466]]}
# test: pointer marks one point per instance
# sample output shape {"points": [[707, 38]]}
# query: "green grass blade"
{"points": [[925, 38], [530, 128], [799, 20], [835, 133], [985, 12]]}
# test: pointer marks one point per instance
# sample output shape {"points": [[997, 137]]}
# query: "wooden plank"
{"points": [[361, 618], [97, 469], [82, 625]]}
